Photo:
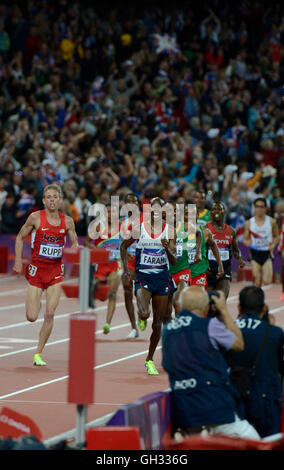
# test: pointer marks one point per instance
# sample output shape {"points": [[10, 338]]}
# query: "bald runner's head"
{"points": [[195, 299]]}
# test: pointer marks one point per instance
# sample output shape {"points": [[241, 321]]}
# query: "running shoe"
{"points": [[151, 369], [282, 297], [133, 334], [141, 324], [106, 329], [38, 360]]}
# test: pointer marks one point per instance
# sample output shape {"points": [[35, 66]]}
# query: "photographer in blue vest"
{"points": [[192, 345], [263, 356]]}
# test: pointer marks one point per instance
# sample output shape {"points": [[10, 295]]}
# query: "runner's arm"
{"points": [[247, 238], [170, 249], [275, 234], [126, 243], [26, 229], [198, 256], [213, 245], [72, 232], [236, 251]]}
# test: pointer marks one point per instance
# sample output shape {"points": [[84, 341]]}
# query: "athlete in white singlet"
{"points": [[153, 281], [261, 236]]}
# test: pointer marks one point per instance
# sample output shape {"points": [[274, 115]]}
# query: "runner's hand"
{"points": [[241, 263], [18, 267], [197, 258], [220, 272], [126, 279]]}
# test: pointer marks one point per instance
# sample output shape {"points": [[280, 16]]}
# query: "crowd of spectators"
{"points": [[90, 99]]}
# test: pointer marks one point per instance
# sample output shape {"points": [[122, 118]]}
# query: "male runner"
{"points": [[48, 230], [225, 238], [199, 269], [110, 271], [180, 272], [153, 281], [203, 214], [128, 287], [261, 236]]}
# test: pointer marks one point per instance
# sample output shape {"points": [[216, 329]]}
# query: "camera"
{"points": [[213, 311]]}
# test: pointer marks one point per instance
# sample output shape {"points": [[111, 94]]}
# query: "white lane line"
{"points": [[11, 292], [57, 317], [24, 289], [232, 298], [59, 341], [59, 379]]}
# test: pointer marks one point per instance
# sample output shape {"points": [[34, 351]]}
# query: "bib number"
{"points": [[224, 255], [32, 270], [50, 251], [153, 260], [191, 256]]}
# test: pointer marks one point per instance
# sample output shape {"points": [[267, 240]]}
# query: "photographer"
{"points": [[202, 394], [263, 399]]}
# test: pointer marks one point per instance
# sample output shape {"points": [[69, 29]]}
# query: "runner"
{"points": [[48, 230], [203, 214], [108, 272], [261, 236], [180, 272], [225, 238], [153, 281], [199, 269], [128, 287]]}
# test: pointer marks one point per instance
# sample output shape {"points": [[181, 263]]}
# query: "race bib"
{"points": [[191, 256], [224, 255], [114, 255], [153, 260], [260, 244], [179, 247], [32, 270], [50, 251]]}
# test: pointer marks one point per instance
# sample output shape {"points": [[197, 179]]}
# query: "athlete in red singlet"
{"points": [[225, 238], [110, 271], [130, 198], [48, 230]]}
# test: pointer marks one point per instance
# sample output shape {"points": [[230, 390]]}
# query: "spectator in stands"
{"points": [[193, 346], [62, 91], [263, 403]]}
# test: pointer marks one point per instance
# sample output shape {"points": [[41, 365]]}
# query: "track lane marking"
{"points": [[60, 379]]}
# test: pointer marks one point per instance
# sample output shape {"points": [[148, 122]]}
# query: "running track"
{"points": [[120, 376]]}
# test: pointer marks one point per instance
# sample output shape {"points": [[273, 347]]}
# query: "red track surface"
{"points": [[120, 376]]}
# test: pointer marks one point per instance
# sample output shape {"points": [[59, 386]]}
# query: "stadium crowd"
{"points": [[154, 100]]}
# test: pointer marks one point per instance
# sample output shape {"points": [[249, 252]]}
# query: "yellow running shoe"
{"points": [[142, 324], [151, 369], [38, 360], [106, 329]]}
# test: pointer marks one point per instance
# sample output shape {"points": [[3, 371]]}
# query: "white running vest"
{"points": [[261, 236], [151, 257]]}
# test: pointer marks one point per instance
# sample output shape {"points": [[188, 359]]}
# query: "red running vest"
{"points": [[48, 241]]}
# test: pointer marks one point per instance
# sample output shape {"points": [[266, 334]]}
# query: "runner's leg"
{"points": [[52, 299], [267, 272], [128, 298], [256, 273], [113, 281], [181, 285], [33, 303], [159, 304], [224, 285]]}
